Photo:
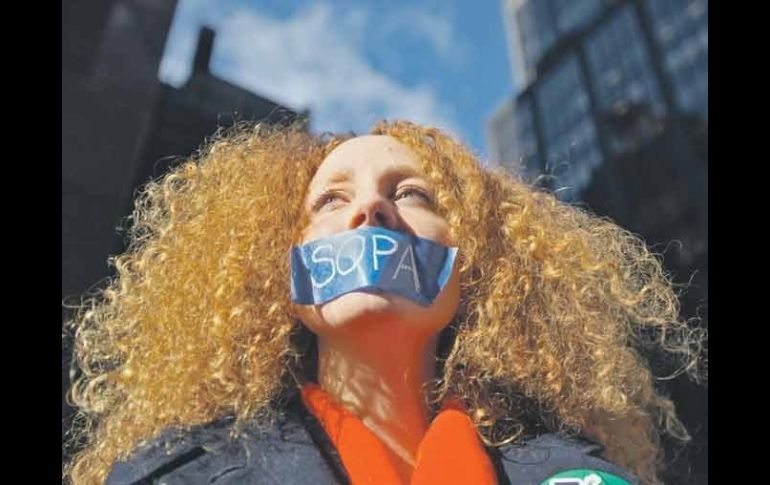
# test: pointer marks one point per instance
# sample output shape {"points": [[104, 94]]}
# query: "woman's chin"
{"points": [[358, 307]]}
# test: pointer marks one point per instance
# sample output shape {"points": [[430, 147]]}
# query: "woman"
{"points": [[197, 359]]}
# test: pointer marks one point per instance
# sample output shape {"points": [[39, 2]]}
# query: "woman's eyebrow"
{"points": [[402, 172], [390, 175], [340, 176]]}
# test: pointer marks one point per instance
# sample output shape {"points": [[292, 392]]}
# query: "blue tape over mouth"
{"points": [[370, 259]]}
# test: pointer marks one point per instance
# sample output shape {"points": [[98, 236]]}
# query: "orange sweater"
{"points": [[450, 452]]}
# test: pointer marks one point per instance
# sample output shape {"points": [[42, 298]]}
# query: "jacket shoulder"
{"points": [[552, 459], [279, 453]]}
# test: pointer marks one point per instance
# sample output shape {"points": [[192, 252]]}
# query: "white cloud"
{"points": [[316, 60]]}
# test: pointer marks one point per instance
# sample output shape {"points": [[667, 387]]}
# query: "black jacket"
{"points": [[296, 450]]}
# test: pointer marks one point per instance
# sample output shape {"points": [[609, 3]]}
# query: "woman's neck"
{"points": [[379, 375]]}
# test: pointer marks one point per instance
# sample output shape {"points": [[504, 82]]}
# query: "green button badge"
{"points": [[584, 476]]}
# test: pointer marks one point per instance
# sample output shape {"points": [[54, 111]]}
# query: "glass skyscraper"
{"points": [[578, 61]]}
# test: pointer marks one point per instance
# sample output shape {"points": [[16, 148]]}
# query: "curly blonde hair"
{"points": [[557, 306]]}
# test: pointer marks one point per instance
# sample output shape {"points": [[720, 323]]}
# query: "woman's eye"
{"points": [[411, 192], [326, 199]]}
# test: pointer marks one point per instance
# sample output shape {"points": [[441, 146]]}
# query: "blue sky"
{"points": [[353, 63]]}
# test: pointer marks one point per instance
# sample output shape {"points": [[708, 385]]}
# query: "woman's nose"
{"points": [[374, 211]]}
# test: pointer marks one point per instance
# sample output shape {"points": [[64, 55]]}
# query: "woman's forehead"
{"points": [[375, 152]]}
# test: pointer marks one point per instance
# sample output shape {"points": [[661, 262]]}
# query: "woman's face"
{"points": [[374, 180]]}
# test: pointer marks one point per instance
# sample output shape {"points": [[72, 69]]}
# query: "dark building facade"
{"points": [[612, 113], [111, 50], [576, 60], [186, 116], [121, 126], [658, 188]]}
